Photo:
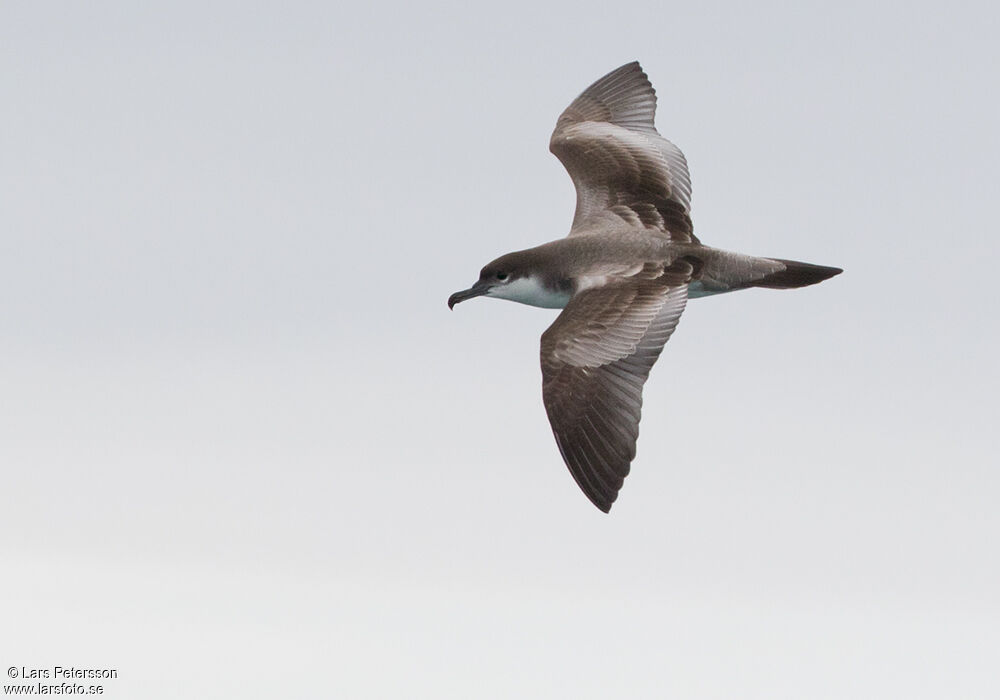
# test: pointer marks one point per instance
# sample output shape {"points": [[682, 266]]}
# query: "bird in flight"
{"points": [[622, 276]]}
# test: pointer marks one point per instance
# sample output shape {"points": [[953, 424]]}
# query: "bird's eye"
{"points": [[501, 276]]}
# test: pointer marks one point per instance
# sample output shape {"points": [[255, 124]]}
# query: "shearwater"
{"points": [[622, 276]]}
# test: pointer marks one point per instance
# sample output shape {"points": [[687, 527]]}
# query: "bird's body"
{"points": [[570, 265], [622, 277]]}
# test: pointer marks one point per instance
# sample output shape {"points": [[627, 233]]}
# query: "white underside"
{"points": [[530, 291], [697, 290]]}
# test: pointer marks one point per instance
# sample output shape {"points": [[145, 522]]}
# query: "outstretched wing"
{"points": [[596, 357], [622, 168]]}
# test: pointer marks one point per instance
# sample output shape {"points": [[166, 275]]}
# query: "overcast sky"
{"points": [[247, 451]]}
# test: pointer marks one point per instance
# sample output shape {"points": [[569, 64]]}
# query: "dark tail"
{"points": [[796, 274]]}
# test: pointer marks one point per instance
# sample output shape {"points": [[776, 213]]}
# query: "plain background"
{"points": [[248, 452]]}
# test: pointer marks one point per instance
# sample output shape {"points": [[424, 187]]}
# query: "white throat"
{"points": [[530, 291]]}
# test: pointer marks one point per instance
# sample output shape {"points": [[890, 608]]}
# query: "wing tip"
{"points": [[625, 97], [604, 507], [591, 487]]}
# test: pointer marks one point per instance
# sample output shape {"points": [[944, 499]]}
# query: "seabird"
{"points": [[622, 276]]}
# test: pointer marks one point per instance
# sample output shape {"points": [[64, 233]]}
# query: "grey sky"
{"points": [[248, 452]]}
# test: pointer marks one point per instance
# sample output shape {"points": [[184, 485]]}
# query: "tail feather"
{"points": [[796, 274]]}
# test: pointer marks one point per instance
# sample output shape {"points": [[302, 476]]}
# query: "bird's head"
{"points": [[495, 278]]}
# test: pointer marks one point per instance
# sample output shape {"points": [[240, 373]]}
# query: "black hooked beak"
{"points": [[477, 290]]}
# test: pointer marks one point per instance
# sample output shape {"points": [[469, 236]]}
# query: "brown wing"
{"points": [[622, 168], [596, 357]]}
